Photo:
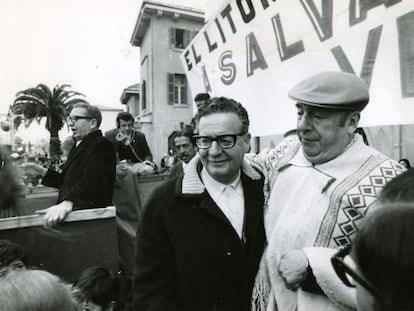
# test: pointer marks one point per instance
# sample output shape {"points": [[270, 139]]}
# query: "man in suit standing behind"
{"points": [[185, 149], [87, 178], [201, 235]]}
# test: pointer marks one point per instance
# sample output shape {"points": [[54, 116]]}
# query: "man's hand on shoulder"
{"points": [[293, 268], [56, 213]]}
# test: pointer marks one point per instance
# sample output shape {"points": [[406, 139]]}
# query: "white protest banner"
{"points": [[255, 51]]}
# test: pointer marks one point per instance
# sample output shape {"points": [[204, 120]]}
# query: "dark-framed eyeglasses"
{"points": [[74, 119], [224, 141], [348, 275]]}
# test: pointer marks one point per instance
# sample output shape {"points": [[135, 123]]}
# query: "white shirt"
{"points": [[229, 198]]}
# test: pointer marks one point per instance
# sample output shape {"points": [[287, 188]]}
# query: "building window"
{"points": [[181, 38], [177, 89]]}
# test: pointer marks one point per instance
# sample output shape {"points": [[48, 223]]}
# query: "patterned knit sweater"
{"points": [[317, 208]]}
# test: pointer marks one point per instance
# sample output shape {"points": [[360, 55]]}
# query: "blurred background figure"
{"points": [[405, 163], [12, 257], [130, 145], [201, 100], [133, 152], [9, 188], [185, 149], [66, 147], [96, 289], [168, 161], [34, 290]]}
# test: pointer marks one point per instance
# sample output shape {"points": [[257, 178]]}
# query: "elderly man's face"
{"points": [[324, 133], [223, 164], [185, 149]]}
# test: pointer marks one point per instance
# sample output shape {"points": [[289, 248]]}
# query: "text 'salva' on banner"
{"points": [[255, 51]]}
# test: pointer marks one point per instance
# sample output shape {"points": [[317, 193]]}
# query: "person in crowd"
{"points": [[12, 257], [87, 178], [201, 100], [405, 163], [201, 235], [9, 187], [129, 144], [382, 251], [35, 290], [319, 189], [66, 147], [185, 149], [96, 289]]}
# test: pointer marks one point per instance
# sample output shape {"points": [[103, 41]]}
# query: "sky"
{"points": [[84, 43]]}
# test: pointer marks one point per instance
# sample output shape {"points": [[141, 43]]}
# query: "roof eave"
{"points": [[151, 8]]}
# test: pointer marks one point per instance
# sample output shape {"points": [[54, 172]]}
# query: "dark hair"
{"points": [[223, 104], [187, 131], [399, 189], [126, 116], [201, 96], [384, 252], [92, 111], [97, 284], [10, 252], [407, 163]]}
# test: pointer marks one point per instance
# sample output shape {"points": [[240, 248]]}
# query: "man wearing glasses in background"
{"points": [[201, 235], [87, 178]]}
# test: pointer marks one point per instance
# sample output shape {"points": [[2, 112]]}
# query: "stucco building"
{"points": [[130, 98], [162, 32]]}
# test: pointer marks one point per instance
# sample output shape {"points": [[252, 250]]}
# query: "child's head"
{"points": [[96, 289], [12, 257]]}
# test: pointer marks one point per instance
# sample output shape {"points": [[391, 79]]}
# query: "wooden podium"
{"points": [[86, 238]]}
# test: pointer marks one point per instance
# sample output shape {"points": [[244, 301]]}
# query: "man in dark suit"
{"points": [[87, 178], [201, 235], [129, 144], [185, 150]]}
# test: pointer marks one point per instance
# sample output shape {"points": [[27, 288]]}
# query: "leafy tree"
{"points": [[40, 102]]}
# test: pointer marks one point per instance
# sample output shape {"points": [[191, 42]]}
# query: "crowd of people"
{"points": [[320, 222]]}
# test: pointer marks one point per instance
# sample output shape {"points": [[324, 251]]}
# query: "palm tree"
{"points": [[40, 102]]}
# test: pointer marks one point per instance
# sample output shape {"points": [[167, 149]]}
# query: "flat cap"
{"points": [[332, 90]]}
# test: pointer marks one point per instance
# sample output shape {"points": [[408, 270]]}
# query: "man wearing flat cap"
{"points": [[319, 189]]}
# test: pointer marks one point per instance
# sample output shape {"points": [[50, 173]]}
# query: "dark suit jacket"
{"points": [[88, 176], [138, 143], [190, 258]]}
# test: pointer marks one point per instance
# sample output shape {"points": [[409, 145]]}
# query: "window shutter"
{"points": [[144, 95], [184, 95], [187, 37], [172, 38], [170, 99]]}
